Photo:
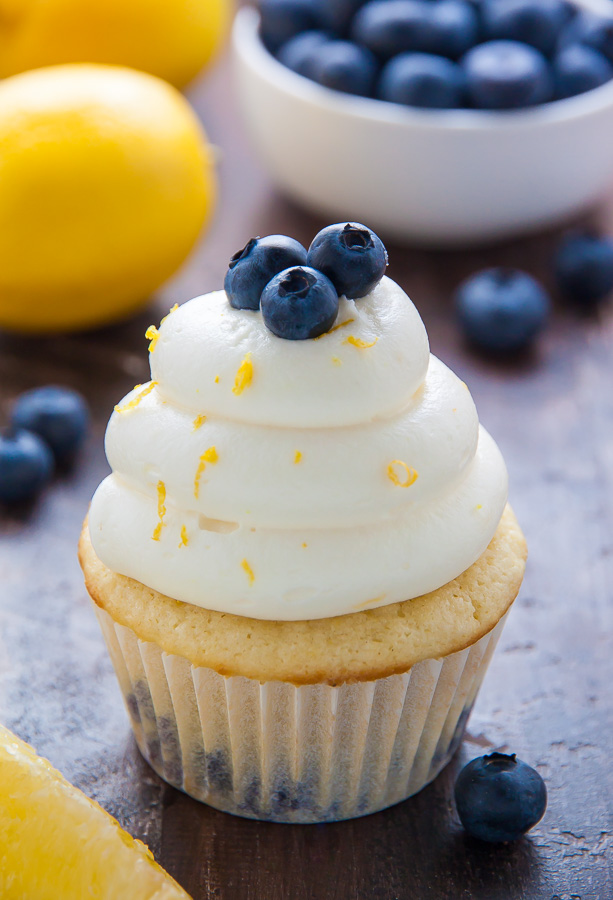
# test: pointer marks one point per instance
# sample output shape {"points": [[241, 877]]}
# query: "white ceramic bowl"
{"points": [[444, 176]]}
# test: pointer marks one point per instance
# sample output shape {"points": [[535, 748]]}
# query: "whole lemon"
{"points": [[173, 39], [106, 180]]}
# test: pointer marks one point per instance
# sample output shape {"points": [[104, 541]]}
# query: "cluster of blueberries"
{"points": [[298, 290], [484, 54], [47, 428], [503, 310]]}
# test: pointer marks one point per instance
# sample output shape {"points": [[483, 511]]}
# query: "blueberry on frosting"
{"points": [[252, 268], [351, 256], [299, 303]]}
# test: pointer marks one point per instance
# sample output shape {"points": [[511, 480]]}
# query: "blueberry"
{"points": [[337, 15], [58, 415], [283, 19], [389, 27], [299, 303], [351, 256], [421, 79], [577, 69], [584, 268], [252, 268], [507, 75], [298, 53], [501, 309], [499, 797], [534, 22], [26, 465], [456, 27], [343, 66], [591, 30]]}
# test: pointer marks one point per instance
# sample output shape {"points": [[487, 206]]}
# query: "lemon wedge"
{"points": [[57, 843]]}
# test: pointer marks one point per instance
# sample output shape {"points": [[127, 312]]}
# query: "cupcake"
{"points": [[304, 556]]}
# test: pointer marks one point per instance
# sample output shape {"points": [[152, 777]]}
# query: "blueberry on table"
{"points": [[499, 797], [337, 15], [456, 27], [577, 69], [534, 22], [507, 75], [26, 465], [501, 310], [351, 256], [422, 79], [282, 19], [343, 66], [58, 415], [299, 303], [260, 260], [298, 53], [584, 268], [389, 27]]}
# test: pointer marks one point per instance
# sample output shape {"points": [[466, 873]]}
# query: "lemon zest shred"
{"points": [[132, 404], [479, 506], [244, 375], [199, 422], [336, 361], [359, 343], [161, 510], [209, 456], [153, 335], [170, 312], [305, 545], [184, 537], [392, 474], [248, 571], [334, 328], [297, 457], [217, 379]]}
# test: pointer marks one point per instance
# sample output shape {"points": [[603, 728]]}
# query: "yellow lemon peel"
{"points": [[359, 343], [199, 422], [244, 375], [209, 456], [248, 571], [153, 335], [132, 404], [161, 510], [334, 328], [184, 537], [297, 457], [394, 477]]}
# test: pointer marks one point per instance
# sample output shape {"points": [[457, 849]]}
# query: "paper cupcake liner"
{"points": [[282, 753]]}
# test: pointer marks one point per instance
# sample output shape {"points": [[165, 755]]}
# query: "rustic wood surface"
{"points": [[548, 692]]}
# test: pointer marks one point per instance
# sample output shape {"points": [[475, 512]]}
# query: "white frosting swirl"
{"points": [[297, 479]]}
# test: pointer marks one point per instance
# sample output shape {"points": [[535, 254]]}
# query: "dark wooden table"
{"points": [[548, 695]]}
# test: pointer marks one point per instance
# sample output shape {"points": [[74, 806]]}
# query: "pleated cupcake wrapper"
{"points": [[282, 753]]}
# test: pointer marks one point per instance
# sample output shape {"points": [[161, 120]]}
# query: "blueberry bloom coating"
{"points": [[26, 465], [499, 797], [507, 75], [344, 66], [502, 310], [422, 79], [298, 53], [251, 268], [351, 256], [584, 268], [283, 19], [59, 416], [299, 303]]}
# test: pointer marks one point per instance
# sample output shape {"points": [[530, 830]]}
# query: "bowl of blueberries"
{"points": [[439, 121]]}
